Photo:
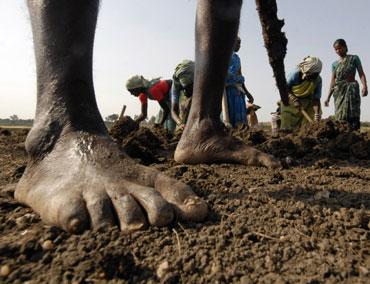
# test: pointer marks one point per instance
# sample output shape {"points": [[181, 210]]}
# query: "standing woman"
{"points": [[156, 89], [234, 105], [344, 88]]}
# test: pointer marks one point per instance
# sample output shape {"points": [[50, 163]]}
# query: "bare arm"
{"points": [[166, 111], [144, 113], [225, 110], [361, 73], [174, 113], [316, 109], [331, 88], [248, 94]]}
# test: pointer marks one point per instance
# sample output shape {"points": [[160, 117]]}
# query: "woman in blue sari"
{"points": [[236, 109], [344, 88]]}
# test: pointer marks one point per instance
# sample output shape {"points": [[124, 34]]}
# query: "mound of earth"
{"points": [[326, 140], [122, 127], [148, 144]]}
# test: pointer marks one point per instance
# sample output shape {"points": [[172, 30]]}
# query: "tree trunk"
{"points": [[275, 42]]}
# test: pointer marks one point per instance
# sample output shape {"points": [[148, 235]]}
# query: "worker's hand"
{"points": [[294, 101], [228, 125], [317, 117], [364, 91], [326, 103], [297, 104], [181, 127], [250, 99]]}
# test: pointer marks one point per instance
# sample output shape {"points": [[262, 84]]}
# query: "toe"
{"points": [[268, 161], [71, 214], [129, 213], [159, 211], [250, 156], [99, 207], [187, 205], [193, 209]]}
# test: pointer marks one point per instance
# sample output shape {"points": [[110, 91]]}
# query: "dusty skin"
{"points": [[86, 181], [67, 179], [212, 143]]}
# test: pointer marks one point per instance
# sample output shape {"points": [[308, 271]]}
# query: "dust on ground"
{"points": [[308, 223]]}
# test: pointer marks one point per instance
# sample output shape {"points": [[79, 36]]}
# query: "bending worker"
{"points": [[182, 92], [304, 85], [155, 89]]}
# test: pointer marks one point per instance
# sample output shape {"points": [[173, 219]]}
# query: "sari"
{"points": [[234, 93], [346, 90], [305, 91]]}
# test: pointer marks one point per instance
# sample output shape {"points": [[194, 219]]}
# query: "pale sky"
{"points": [[150, 37]]}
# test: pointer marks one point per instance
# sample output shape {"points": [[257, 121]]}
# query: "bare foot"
{"points": [[208, 142], [85, 181]]}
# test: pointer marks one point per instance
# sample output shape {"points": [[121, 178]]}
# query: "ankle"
{"points": [[42, 137], [45, 133]]}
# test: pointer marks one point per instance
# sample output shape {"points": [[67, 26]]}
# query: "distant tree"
{"points": [[14, 117], [112, 118]]}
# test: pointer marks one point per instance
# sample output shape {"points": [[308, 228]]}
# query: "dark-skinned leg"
{"points": [[77, 177], [204, 139]]}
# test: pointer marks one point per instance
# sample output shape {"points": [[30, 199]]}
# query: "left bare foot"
{"points": [[206, 141], [85, 181]]}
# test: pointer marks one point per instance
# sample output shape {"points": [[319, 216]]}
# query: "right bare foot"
{"points": [[207, 141], [85, 181]]}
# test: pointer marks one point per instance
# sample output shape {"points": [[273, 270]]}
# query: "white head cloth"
{"points": [[310, 65]]}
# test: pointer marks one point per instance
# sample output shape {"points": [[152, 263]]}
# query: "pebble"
{"points": [[252, 189], [283, 238], [47, 245], [163, 269], [289, 160], [245, 280], [204, 260], [5, 270], [364, 270], [26, 219], [215, 268]]}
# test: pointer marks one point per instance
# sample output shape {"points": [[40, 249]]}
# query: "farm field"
{"points": [[306, 223]]}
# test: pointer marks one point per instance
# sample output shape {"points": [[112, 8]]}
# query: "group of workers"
{"points": [[174, 96], [78, 178], [304, 87]]}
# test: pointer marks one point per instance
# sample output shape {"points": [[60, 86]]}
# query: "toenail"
{"points": [[192, 201], [74, 225]]}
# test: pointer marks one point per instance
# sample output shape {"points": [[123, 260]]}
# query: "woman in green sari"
{"points": [[304, 87], [344, 88]]}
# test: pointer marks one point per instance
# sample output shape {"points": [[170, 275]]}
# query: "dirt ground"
{"points": [[307, 223]]}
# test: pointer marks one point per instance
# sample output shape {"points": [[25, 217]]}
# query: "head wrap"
{"points": [[136, 82], [184, 73], [310, 65]]}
